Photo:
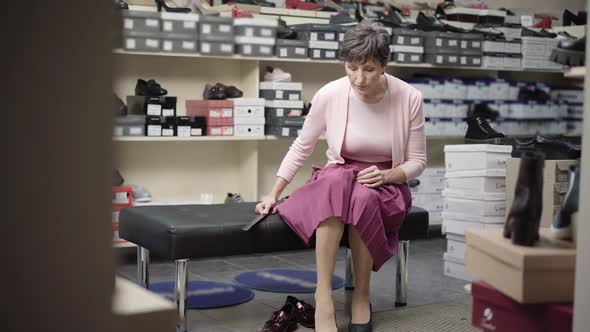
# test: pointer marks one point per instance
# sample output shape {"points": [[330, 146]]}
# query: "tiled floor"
{"points": [[426, 284]]}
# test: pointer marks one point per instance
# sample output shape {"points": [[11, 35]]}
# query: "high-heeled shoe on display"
{"points": [[203, 8], [561, 228], [366, 327], [522, 223], [162, 4]]}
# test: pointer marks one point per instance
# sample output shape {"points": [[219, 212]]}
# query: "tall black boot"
{"points": [[561, 228], [522, 223]]}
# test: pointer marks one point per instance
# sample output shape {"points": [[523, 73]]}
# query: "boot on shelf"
{"points": [[561, 228], [522, 223], [479, 131]]}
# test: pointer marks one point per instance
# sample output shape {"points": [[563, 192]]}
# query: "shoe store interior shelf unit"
{"points": [[182, 168]]}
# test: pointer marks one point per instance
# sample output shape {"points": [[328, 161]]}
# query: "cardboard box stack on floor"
{"points": [[474, 197], [427, 194]]}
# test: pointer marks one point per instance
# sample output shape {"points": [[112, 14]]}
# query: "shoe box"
{"points": [[536, 52], [454, 49], [468, 157], [431, 202], [280, 90], [323, 49], [249, 116], [156, 106], [456, 246], [494, 311], [432, 180], [453, 60], [219, 115], [342, 31], [450, 109], [216, 35], [160, 126], [458, 223], [502, 53], [480, 204], [555, 185], [477, 181], [474, 15], [282, 131], [255, 37], [292, 48], [502, 60], [129, 125], [520, 272], [187, 126], [316, 32], [454, 267], [407, 46], [284, 117], [180, 32], [445, 127], [122, 197], [141, 30]]}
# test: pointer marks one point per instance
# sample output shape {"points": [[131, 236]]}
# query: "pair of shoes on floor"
{"points": [[220, 91], [273, 74], [149, 88], [293, 312], [366, 327]]}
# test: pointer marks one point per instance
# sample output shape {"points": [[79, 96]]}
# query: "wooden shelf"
{"points": [[575, 72], [188, 139], [307, 60]]}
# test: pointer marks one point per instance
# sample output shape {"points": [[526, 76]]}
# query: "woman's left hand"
{"points": [[372, 177]]}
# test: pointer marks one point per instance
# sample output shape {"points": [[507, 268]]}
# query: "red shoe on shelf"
{"points": [[545, 23], [238, 13], [298, 4]]}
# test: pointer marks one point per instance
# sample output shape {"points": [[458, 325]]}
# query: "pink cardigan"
{"points": [[329, 114]]}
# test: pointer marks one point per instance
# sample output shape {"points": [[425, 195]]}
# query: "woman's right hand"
{"points": [[268, 204]]}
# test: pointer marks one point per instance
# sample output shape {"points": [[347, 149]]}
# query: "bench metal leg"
{"points": [[180, 292], [401, 275], [349, 281], [143, 267]]}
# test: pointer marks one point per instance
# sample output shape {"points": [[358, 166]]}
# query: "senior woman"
{"points": [[374, 126]]}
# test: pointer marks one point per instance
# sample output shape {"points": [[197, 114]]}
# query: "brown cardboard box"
{"points": [[543, 273], [555, 185]]}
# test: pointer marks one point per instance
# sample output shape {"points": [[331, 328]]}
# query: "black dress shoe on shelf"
{"points": [[284, 32], [570, 52], [561, 228], [213, 92], [230, 91], [522, 223], [554, 148], [395, 20], [149, 88], [431, 23], [526, 32], [161, 4], [366, 327]]}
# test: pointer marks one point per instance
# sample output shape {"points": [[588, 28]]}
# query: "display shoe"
{"points": [[238, 13], [120, 107], [284, 32], [203, 8], [298, 4], [431, 23], [117, 178], [213, 92], [526, 32], [367, 327], [395, 20], [140, 194], [561, 228], [149, 88], [230, 91], [394, 9], [545, 23], [341, 18], [554, 148], [261, 3], [485, 111], [304, 312], [282, 320], [570, 52], [479, 131], [533, 93], [570, 18], [359, 12], [522, 223], [161, 4], [276, 75], [121, 4]]}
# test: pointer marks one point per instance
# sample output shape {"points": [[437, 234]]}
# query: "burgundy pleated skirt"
{"points": [[376, 213]]}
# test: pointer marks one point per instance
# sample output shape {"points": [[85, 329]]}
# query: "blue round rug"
{"points": [[283, 280], [206, 294]]}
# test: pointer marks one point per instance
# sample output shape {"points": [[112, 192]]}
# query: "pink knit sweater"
{"points": [[329, 114]]}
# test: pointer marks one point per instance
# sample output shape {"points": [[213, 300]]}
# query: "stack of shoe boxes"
{"points": [[216, 35], [219, 115], [180, 32], [474, 15], [474, 197], [322, 40], [249, 116], [500, 52], [283, 107], [573, 99], [453, 49], [407, 46], [122, 197], [141, 31], [536, 52], [129, 125], [255, 37], [427, 194]]}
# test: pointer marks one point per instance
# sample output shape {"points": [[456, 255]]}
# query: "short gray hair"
{"points": [[365, 42]]}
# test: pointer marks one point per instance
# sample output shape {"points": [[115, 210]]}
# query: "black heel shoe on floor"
{"points": [[367, 327], [162, 4]]}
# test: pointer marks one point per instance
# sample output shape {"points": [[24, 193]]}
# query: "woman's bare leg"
{"points": [[362, 264]]}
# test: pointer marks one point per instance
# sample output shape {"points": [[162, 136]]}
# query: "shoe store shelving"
{"points": [[277, 59]]}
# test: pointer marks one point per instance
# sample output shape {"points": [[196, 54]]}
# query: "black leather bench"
{"points": [[183, 232]]}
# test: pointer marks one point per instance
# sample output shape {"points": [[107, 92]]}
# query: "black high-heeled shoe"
{"points": [[162, 4], [366, 327]]}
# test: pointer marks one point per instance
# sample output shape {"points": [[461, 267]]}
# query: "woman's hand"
{"points": [[268, 204], [372, 177]]}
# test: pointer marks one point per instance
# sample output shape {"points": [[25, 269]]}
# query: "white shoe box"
{"points": [[458, 227], [480, 181], [432, 180], [456, 246], [435, 218], [479, 204], [467, 157], [249, 130], [455, 268], [432, 202]]}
